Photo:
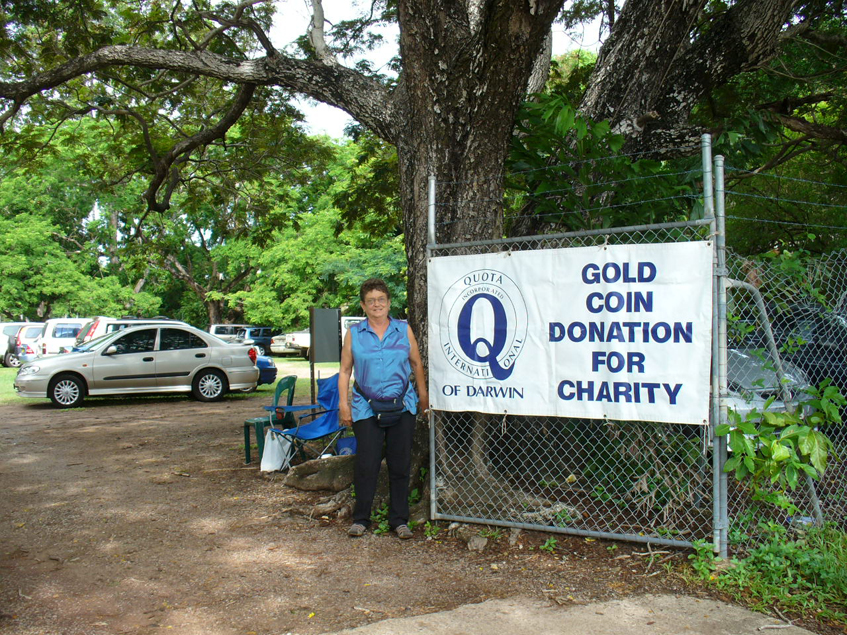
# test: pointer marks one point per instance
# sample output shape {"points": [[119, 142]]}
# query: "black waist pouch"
{"points": [[386, 411]]}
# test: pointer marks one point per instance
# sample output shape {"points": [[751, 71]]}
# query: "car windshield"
{"points": [[94, 344]]}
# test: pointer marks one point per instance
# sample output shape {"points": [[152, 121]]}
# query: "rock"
{"points": [[556, 514], [477, 543], [334, 473], [470, 536], [514, 535], [334, 504]]}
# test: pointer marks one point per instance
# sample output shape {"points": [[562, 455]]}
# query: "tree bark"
{"points": [[459, 104], [651, 72]]}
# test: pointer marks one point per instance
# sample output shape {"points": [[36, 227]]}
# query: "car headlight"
{"points": [[29, 370]]}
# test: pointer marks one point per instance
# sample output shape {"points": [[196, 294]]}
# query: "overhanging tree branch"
{"points": [[166, 166], [364, 98]]}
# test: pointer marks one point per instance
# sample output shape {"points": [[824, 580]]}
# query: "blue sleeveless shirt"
{"points": [[381, 367]]}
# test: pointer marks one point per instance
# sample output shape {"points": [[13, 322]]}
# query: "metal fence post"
{"points": [[430, 225], [433, 487], [719, 443], [708, 184], [709, 211]]}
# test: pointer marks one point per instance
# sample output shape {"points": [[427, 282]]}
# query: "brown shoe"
{"points": [[403, 532], [357, 530]]}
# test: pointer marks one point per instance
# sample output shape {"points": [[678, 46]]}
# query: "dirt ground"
{"points": [[134, 516]]}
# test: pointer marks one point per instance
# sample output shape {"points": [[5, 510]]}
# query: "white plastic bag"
{"points": [[277, 453]]}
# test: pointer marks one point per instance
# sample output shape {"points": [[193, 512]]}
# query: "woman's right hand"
{"points": [[345, 415]]}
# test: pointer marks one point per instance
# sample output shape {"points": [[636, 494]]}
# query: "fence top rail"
{"points": [[587, 232]]}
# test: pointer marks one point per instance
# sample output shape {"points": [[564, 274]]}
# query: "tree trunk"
{"points": [[215, 309], [459, 108]]}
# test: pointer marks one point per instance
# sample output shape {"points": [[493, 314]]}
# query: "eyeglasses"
{"points": [[375, 301]]}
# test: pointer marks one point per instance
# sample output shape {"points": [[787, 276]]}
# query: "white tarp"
{"points": [[619, 332]]}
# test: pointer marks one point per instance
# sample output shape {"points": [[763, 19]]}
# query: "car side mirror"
{"points": [[111, 350]]}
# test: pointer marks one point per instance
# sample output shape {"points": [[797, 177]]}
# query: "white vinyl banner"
{"points": [[620, 332]]}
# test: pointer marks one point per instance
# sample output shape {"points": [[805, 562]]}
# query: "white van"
{"points": [[226, 332], [58, 332]]}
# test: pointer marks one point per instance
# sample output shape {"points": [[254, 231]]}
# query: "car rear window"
{"points": [[11, 330], [177, 339], [32, 331], [61, 330]]}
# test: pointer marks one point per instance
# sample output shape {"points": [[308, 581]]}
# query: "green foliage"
{"points": [[431, 529], [493, 533], [262, 249], [703, 560], [371, 198], [317, 260], [774, 172], [569, 74], [776, 449], [623, 477], [803, 573], [379, 519], [562, 519], [549, 545], [565, 172]]}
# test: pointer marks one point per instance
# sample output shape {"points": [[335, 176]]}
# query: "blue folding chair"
{"points": [[320, 423]]}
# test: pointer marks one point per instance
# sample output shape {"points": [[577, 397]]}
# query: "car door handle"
{"points": [[148, 359], [200, 355]]}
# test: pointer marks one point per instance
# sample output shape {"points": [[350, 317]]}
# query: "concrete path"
{"points": [[644, 615]]}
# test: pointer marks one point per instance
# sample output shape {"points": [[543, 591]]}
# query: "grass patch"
{"points": [[800, 574], [7, 386]]}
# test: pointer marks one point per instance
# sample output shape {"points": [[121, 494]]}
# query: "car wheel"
{"points": [[305, 353], [11, 360], [259, 349], [209, 385], [66, 391]]}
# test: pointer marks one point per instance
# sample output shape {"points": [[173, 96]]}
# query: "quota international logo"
{"points": [[483, 324]]}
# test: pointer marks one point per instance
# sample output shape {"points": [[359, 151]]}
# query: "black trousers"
{"points": [[397, 440]]}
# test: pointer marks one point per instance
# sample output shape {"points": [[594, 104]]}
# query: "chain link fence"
{"points": [[786, 330], [787, 314], [639, 481]]}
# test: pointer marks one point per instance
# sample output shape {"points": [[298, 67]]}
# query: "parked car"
{"points": [[752, 380], [258, 336], [814, 340], [102, 325], [267, 370], [142, 360], [349, 320], [8, 331], [25, 335], [227, 332], [57, 333], [279, 346], [300, 341]]}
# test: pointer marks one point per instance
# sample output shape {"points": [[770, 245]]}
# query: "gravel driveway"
{"points": [[133, 516]]}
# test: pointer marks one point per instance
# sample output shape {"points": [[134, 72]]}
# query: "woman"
{"points": [[382, 351]]}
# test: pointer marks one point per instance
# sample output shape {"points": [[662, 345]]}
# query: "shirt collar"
{"points": [[392, 325]]}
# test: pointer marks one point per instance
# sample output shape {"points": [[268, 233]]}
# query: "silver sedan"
{"points": [[142, 360]]}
